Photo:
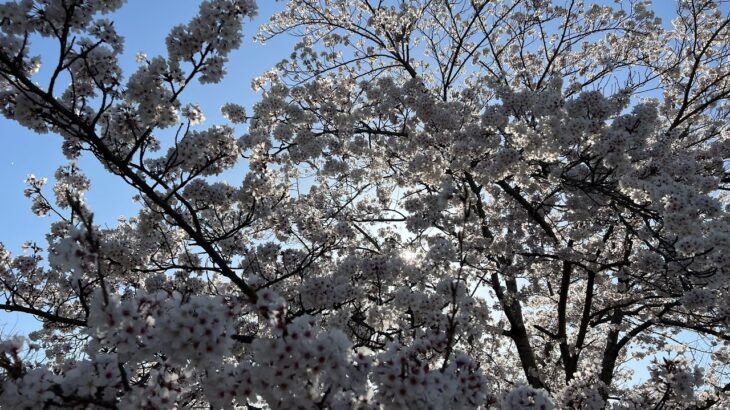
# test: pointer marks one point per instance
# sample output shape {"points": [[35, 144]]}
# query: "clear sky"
{"points": [[144, 25]]}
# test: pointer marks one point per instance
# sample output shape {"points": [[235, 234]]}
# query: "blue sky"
{"points": [[144, 25]]}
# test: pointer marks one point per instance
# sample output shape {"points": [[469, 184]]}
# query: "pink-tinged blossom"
{"points": [[438, 205]]}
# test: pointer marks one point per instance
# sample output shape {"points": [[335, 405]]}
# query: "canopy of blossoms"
{"points": [[449, 204]]}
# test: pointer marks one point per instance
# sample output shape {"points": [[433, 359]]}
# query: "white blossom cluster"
{"points": [[234, 112], [193, 113], [194, 332], [404, 380], [208, 152], [527, 398]]}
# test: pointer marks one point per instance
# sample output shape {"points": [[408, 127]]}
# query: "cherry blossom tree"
{"points": [[449, 204]]}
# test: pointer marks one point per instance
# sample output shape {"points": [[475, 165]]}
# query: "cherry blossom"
{"points": [[447, 205]]}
